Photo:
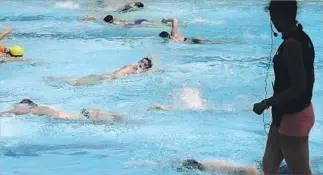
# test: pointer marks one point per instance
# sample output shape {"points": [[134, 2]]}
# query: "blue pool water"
{"points": [[229, 77]]}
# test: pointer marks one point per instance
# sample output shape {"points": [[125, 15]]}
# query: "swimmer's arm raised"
{"points": [[5, 33], [174, 31]]}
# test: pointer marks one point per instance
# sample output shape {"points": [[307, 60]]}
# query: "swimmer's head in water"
{"points": [[193, 164], [28, 103], [139, 4], [145, 64], [15, 51], [108, 19], [164, 34]]}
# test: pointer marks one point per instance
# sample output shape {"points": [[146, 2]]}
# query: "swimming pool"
{"points": [[228, 76]]}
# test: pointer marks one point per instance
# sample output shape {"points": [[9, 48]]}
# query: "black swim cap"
{"points": [[193, 164], [164, 34], [139, 4], [108, 19], [149, 62], [28, 102]]}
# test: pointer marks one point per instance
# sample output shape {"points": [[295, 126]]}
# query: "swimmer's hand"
{"points": [[8, 30], [259, 108]]}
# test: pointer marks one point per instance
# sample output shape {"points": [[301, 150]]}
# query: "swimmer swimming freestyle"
{"points": [[132, 6], [14, 53], [111, 20], [177, 37], [142, 66], [217, 166], [26, 106]]}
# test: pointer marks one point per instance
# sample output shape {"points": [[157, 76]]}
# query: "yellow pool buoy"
{"points": [[16, 51]]}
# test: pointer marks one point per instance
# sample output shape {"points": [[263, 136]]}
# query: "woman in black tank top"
{"points": [[294, 79]]}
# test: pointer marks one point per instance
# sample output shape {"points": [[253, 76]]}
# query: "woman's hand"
{"points": [[259, 108]]}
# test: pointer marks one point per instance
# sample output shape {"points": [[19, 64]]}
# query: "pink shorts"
{"points": [[298, 124]]}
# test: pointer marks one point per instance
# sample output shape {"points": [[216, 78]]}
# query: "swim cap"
{"points": [[16, 51], [193, 164]]}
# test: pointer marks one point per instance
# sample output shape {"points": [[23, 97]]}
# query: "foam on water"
{"points": [[67, 4], [189, 98]]}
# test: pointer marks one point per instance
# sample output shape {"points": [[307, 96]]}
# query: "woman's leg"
{"points": [[296, 153], [273, 155]]}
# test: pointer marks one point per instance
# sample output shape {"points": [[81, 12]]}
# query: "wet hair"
{"points": [[150, 64], [28, 102], [193, 164], [164, 34], [108, 19], [139, 4], [286, 10]]}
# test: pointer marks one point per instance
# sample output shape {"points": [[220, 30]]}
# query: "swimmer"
{"points": [[218, 166], [132, 6], [162, 107], [142, 66], [111, 20], [26, 106], [13, 53], [176, 36]]}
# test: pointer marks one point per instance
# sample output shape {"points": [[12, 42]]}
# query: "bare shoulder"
{"points": [[44, 108], [125, 67]]}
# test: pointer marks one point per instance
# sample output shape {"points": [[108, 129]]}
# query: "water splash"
{"points": [[189, 98], [203, 20], [67, 4]]}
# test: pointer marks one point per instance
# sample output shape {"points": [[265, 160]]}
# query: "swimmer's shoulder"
{"points": [[126, 67], [217, 164]]}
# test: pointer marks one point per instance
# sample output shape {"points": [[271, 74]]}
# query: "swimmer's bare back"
{"points": [[95, 79], [222, 166], [89, 80], [125, 70], [39, 110]]}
